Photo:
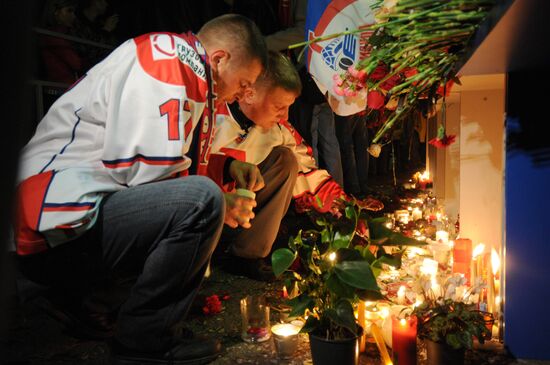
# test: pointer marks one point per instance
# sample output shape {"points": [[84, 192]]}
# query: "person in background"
{"points": [[114, 183], [62, 63], [94, 24], [352, 134], [256, 129]]}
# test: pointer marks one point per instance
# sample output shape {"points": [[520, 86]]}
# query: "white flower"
{"points": [[375, 150]]}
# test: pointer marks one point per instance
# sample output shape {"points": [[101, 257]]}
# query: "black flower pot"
{"points": [[330, 352], [442, 354]]}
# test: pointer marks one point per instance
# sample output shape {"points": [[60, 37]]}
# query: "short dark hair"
{"points": [[240, 32], [280, 72]]}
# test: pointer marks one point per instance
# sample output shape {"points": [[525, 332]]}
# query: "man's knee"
{"points": [[286, 160]]}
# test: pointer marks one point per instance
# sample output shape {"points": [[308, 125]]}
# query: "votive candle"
{"points": [[404, 340]]}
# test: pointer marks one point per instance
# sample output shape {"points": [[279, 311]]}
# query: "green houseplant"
{"points": [[332, 267], [448, 322]]}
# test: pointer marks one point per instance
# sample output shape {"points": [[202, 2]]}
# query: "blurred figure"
{"points": [[62, 63], [95, 25]]}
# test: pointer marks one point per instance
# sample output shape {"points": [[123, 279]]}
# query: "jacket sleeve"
{"points": [[314, 188]]}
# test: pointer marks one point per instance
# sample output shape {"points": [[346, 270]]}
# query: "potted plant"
{"points": [[449, 322], [329, 269]]}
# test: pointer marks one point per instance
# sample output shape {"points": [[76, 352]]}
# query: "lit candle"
{"points": [[285, 292], [362, 323], [401, 295], [477, 263], [429, 267], [404, 340], [494, 282], [442, 236], [416, 214], [285, 336], [462, 256]]}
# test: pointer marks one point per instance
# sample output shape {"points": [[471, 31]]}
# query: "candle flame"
{"points": [[478, 250], [332, 256], [403, 322], [495, 261], [425, 175], [401, 290]]}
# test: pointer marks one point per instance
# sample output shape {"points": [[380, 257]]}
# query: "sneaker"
{"points": [[188, 351], [78, 322]]}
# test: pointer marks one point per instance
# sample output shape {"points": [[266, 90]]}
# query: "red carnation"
{"points": [[379, 72], [375, 99]]}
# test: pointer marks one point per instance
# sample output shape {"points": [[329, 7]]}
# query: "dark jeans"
{"points": [[163, 233], [352, 136]]}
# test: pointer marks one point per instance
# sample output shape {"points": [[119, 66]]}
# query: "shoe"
{"points": [[188, 351], [256, 269], [78, 322]]}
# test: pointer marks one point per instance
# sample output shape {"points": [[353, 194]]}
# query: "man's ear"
{"points": [[219, 59], [249, 95]]}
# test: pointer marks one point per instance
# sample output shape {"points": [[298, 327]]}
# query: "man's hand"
{"points": [[246, 175], [238, 210]]}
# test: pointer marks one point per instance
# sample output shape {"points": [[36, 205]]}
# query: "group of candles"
{"points": [[386, 324]]}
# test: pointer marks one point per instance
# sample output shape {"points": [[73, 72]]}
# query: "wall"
{"points": [[481, 166]]}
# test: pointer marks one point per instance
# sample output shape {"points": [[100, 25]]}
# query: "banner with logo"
{"points": [[331, 57]]}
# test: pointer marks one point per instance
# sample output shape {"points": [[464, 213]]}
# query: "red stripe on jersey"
{"points": [[158, 56], [297, 137], [236, 154], [29, 200], [66, 209]]}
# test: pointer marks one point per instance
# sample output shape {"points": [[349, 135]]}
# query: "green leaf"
{"points": [[368, 255], [392, 260], [348, 254], [357, 274], [325, 236], [370, 295], [350, 212], [339, 288], [343, 315], [281, 260], [341, 240], [299, 305]]}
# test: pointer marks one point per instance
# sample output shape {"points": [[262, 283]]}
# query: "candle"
{"points": [[477, 263], [429, 267], [362, 323], [404, 340], [285, 293], [401, 295], [379, 338], [416, 214], [442, 236], [285, 336], [495, 281], [462, 255]]}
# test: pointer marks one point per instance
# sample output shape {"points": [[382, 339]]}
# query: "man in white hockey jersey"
{"points": [[256, 129], [112, 182]]}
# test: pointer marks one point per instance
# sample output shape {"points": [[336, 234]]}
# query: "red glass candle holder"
{"points": [[404, 340]]}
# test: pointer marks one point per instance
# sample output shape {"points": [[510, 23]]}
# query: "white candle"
{"points": [[401, 295], [285, 336], [416, 214], [442, 236], [429, 267]]}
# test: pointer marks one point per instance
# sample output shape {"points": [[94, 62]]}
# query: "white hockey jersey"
{"points": [[130, 120], [314, 188]]}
